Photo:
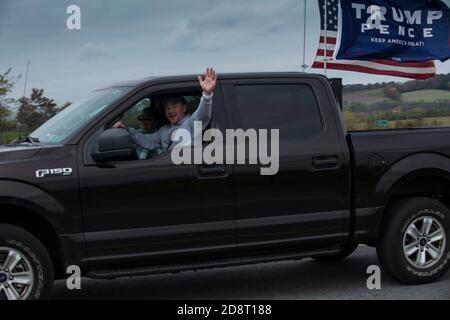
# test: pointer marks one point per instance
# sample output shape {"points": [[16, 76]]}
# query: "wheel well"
{"points": [[39, 227], [422, 185], [419, 185]]}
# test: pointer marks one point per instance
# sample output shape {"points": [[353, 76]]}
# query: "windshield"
{"points": [[75, 116]]}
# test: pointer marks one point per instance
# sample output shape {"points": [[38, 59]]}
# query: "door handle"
{"points": [[325, 162], [212, 170]]}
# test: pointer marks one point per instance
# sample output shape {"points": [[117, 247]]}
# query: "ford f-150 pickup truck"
{"points": [[74, 192]]}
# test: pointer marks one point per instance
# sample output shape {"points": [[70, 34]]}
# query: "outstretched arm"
{"points": [[150, 141]]}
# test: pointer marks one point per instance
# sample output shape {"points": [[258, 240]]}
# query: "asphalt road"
{"points": [[305, 280]]}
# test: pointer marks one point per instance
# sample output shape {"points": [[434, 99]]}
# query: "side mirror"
{"points": [[114, 145]]}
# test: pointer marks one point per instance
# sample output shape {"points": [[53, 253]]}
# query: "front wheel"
{"points": [[413, 245], [26, 271]]}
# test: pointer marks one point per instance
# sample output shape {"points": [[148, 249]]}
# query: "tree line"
{"points": [[438, 82], [32, 111]]}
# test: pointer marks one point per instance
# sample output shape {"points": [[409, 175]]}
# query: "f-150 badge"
{"points": [[43, 173]]}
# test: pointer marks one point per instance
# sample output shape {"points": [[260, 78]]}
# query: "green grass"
{"points": [[7, 137], [426, 123], [369, 96], [426, 96], [353, 124]]}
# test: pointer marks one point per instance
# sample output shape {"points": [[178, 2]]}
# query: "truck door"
{"points": [[306, 202], [147, 211]]}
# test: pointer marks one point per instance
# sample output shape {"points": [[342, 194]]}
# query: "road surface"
{"points": [[306, 279]]}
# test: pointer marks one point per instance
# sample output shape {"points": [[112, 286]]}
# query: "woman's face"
{"points": [[148, 123]]}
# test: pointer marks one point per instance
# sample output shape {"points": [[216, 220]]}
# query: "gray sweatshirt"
{"points": [[161, 139]]}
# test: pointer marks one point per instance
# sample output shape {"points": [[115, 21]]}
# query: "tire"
{"points": [[414, 260], [346, 250], [31, 276]]}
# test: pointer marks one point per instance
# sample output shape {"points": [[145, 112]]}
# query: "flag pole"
{"points": [[304, 66], [326, 35]]}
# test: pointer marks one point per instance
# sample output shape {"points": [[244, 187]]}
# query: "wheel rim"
{"points": [[16, 275], [424, 242]]}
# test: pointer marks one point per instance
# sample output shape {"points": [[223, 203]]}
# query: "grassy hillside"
{"points": [[368, 96], [370, 109], [372, 96], [426, 96]]}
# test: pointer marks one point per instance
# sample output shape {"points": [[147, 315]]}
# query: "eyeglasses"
{"points": [[141, 118]]}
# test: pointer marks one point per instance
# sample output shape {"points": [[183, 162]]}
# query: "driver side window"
{"points": [[148, 117]]}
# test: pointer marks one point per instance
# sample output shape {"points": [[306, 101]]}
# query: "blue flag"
{"points": [[400, 30]]}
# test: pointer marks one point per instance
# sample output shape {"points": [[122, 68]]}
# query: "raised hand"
{"points": [[209, 83]]}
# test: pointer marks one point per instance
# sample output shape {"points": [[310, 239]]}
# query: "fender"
{"points": [[33, 198], [421, 164]]}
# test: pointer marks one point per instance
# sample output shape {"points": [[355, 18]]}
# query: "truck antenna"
{"points": [[26, 78]]}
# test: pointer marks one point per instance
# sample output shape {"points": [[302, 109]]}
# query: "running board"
{"points": [[229, 262]]}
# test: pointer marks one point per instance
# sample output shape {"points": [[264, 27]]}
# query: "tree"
{"points": [[35, 110], [392, 91], [5, 123], [6, 84]]}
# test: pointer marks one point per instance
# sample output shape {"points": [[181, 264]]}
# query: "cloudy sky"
{"points": [[131, 39]]}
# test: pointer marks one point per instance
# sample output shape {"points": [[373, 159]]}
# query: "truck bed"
{"points": [[377, 153]]}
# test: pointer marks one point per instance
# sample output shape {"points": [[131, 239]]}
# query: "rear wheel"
{"points": [[413, 245], [26, 271]]}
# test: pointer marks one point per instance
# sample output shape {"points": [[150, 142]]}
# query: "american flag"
{"points": [[328, 46]]}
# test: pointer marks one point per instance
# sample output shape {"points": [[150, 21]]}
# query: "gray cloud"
{"points": [[231, 23], [134, 38], [92, 51]]}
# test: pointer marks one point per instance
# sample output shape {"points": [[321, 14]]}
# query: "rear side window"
{"points": [[292, 109]]}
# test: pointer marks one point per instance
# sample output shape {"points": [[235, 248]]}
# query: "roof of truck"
{"points": [[221, 76]]}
